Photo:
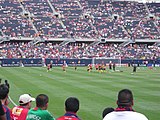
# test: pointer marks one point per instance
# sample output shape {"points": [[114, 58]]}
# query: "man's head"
{"points": [[4, 90], [106, 111], [25, 100], [72, 104], [125, 98], [42, 101]]}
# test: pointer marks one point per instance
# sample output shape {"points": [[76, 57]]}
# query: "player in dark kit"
{"points": [[75, 65], [134, 68], [51, 65], [114, 66], [110, 65]]}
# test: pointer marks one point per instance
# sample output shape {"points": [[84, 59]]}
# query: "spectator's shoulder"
{"points": [[142, 116]]}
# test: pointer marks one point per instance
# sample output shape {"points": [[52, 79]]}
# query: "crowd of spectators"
{"points": [[81, 19], [77, 50], [50, 27], [78, 19], [25, 110], [154, 8], [79, 27], [37, 7], [67, 8]]}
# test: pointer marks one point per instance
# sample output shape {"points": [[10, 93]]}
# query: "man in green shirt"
{"points": [[40, 112]]}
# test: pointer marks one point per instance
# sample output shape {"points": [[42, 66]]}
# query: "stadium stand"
{"points": [[90, 16], [50, 50], [68, 8], [154, 8], [83, 20], [37, 7]]}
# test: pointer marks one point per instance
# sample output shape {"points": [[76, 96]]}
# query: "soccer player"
{"points": [[20, 112], [64, 68], [103, 68], [134, 68], [110, 65], [48, 67], [124, 111], [99, 68], [51, 65], [71, 108], [75, 66], [114, 66], [96, 66], [40, 112], [88, 68]]}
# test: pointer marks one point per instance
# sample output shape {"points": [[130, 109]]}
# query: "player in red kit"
{"points": [[48, 67], [64, 66]]}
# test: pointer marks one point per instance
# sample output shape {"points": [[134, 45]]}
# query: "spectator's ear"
{"points": [[117, 102], [47, 105], [6, 102], [132, 103]]}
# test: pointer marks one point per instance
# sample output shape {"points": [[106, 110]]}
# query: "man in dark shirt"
{"points": [[2, 113], [4, 91], [71, 107]]}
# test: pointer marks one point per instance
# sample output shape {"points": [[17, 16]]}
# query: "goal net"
{"points": [[117, 61]]}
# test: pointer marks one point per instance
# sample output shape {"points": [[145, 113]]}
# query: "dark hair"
{"points": [[41, 100], [3, 91], [106, 111], [7, 84], [72, 104], [125, 97], [21, 103]]}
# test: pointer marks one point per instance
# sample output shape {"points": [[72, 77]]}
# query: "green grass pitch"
{"points": [[94, 90]]}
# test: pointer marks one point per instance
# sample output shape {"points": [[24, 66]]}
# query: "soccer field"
{"points": [[94, 90]]}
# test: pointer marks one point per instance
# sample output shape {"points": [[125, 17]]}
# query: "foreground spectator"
{"points": [[71, 107], [124, 110], [106, 111], [40, 112], [20, 112], [4, 90], [2, 113]]}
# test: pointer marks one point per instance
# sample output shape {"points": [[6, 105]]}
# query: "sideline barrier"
{"points": [[71, 62]]}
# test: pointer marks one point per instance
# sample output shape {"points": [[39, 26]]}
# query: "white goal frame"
{"points": [[116, 60]]}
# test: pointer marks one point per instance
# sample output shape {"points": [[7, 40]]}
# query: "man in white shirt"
{"points": [[124, 110]]}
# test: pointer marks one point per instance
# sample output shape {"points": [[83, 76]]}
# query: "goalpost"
{"points": [[116, 60]]}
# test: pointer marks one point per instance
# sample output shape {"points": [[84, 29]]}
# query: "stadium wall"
{"points": [[70, 62]]}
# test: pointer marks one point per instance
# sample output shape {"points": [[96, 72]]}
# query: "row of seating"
{"points": [[81, 19], [77, 50]]}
